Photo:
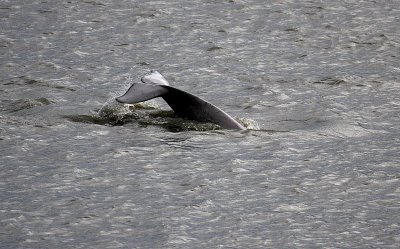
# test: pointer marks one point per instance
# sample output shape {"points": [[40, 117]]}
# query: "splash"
{"points": [[123, 113], [150, 114], [249, 124], [145, 114]]}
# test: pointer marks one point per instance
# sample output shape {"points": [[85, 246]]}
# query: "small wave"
{"points": [[176, 124], [330, 81], [23, 104]]}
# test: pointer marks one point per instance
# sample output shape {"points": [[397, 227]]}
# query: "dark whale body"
{"points": [[184, 104]]}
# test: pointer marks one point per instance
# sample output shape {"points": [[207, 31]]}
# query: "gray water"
{"points": [[316, 82]]}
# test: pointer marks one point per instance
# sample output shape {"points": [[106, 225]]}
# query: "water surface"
{"points": [[317, 83]]}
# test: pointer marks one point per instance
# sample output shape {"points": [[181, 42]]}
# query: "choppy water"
{"points": [[317, 81]]}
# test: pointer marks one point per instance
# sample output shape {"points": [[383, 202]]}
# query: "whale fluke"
{"points": [[184, 104], [155, 78], [140, 92]]}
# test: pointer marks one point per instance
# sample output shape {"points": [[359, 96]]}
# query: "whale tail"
{"points": [[140, 92], [183, 103], [155, 78], [152, 87]]}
